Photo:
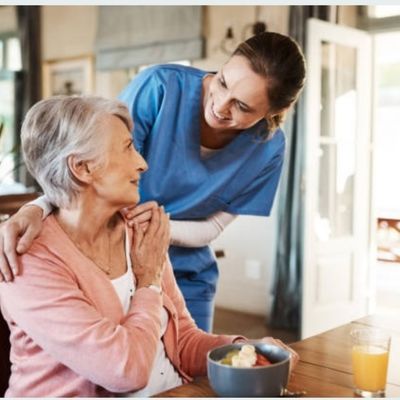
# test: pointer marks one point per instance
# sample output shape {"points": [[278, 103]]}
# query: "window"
{"points": [[383, 11], [383, 22], [387, 190], [10, 64], [1, 55], [10, 53]]}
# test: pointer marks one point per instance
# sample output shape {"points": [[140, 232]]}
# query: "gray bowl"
{"points": [[264, 381]]}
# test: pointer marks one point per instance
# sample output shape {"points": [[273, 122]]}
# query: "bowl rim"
{"points": [[248, 368]]}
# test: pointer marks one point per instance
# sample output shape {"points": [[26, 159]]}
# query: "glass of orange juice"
{"points": [[370, 356]]}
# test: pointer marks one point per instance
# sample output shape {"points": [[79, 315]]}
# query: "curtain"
{"points": [[28, 80], [138, 35], [287, 287]]}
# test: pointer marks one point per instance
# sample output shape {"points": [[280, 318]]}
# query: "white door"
{"points": [[337, 177]]}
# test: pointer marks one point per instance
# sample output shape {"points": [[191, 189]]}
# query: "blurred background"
{"points": [[330, 251]]}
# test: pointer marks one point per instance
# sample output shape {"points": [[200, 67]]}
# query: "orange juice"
{"points": [[370, 365]]}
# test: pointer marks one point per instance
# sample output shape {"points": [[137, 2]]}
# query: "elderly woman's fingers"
{"points": [[133, 212], [164, 230], [143, 217], [154, 223], [294, 357], [150, 252], [138, 236], [144, 226]]}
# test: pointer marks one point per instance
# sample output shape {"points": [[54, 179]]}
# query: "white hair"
{"points": [[59, 127]]}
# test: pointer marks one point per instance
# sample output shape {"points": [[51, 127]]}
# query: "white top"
{"points": [[163, 375]]}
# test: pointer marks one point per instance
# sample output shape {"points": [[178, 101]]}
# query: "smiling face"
{"points": [[117, 180], [236, 97]]}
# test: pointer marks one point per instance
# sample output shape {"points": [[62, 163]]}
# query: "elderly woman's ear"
{"points": [[81, 170]]}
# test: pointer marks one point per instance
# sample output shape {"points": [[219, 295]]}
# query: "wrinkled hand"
{"points": [[294, 357], [149, 250], [17, 235], [140, 214]]}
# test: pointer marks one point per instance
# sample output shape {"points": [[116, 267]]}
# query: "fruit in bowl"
{"points": [[247, 356], [235, 370]]}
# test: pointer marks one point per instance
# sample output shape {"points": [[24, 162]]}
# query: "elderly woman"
{"points": [[96, 310]]}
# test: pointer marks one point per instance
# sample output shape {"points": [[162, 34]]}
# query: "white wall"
{"points": [[8, 19], [68, 31], [246, 270], [218, 18]]}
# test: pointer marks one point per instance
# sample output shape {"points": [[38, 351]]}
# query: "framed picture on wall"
{"points": [[68, 76]]}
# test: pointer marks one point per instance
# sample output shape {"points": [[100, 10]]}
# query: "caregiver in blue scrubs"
{"points": [[214, 149]]}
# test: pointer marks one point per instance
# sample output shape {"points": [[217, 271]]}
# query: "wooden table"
{"points": [[324, 369]]}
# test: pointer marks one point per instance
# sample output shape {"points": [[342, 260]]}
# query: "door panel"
{"points": [[337, 177]]}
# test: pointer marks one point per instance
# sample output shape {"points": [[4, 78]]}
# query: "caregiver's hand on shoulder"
{"points": [[140, 214], [17, 235], [149, 249]]}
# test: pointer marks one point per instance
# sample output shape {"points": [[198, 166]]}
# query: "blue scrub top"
{"points": [[165, 104]]}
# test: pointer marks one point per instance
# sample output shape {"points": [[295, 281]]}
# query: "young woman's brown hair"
{"points": [[280, 60]]}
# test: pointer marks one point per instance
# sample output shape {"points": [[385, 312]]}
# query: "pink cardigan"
{"points": [[69, 336]]}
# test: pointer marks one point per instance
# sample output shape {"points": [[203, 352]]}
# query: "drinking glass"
{"points": [[370, 356]]}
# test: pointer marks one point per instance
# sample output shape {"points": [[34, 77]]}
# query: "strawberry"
{"points": [[262, 361]]}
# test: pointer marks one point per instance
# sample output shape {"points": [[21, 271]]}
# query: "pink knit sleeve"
{"points": [[193, 343], [48, 304]]}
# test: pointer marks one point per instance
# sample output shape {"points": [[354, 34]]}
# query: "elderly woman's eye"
{"points": [[222, 82]]}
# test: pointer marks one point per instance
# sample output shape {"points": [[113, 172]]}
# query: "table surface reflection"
{"points": [[324, 369]]}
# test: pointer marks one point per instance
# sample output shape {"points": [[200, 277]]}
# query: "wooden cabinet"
{"points": [[10, 203]]}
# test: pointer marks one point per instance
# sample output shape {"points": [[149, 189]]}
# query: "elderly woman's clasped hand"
{"points": [[150, 249]]}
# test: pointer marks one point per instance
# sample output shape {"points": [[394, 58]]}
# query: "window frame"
{"points": [[4, 36], [377, 25], [8, 74]]}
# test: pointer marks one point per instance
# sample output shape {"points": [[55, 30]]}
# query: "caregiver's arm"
{"points": [[199, 233], [18, 233], [184, 233]]}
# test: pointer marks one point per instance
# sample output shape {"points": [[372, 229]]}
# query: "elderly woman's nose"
{"points": [[142, 164]]}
